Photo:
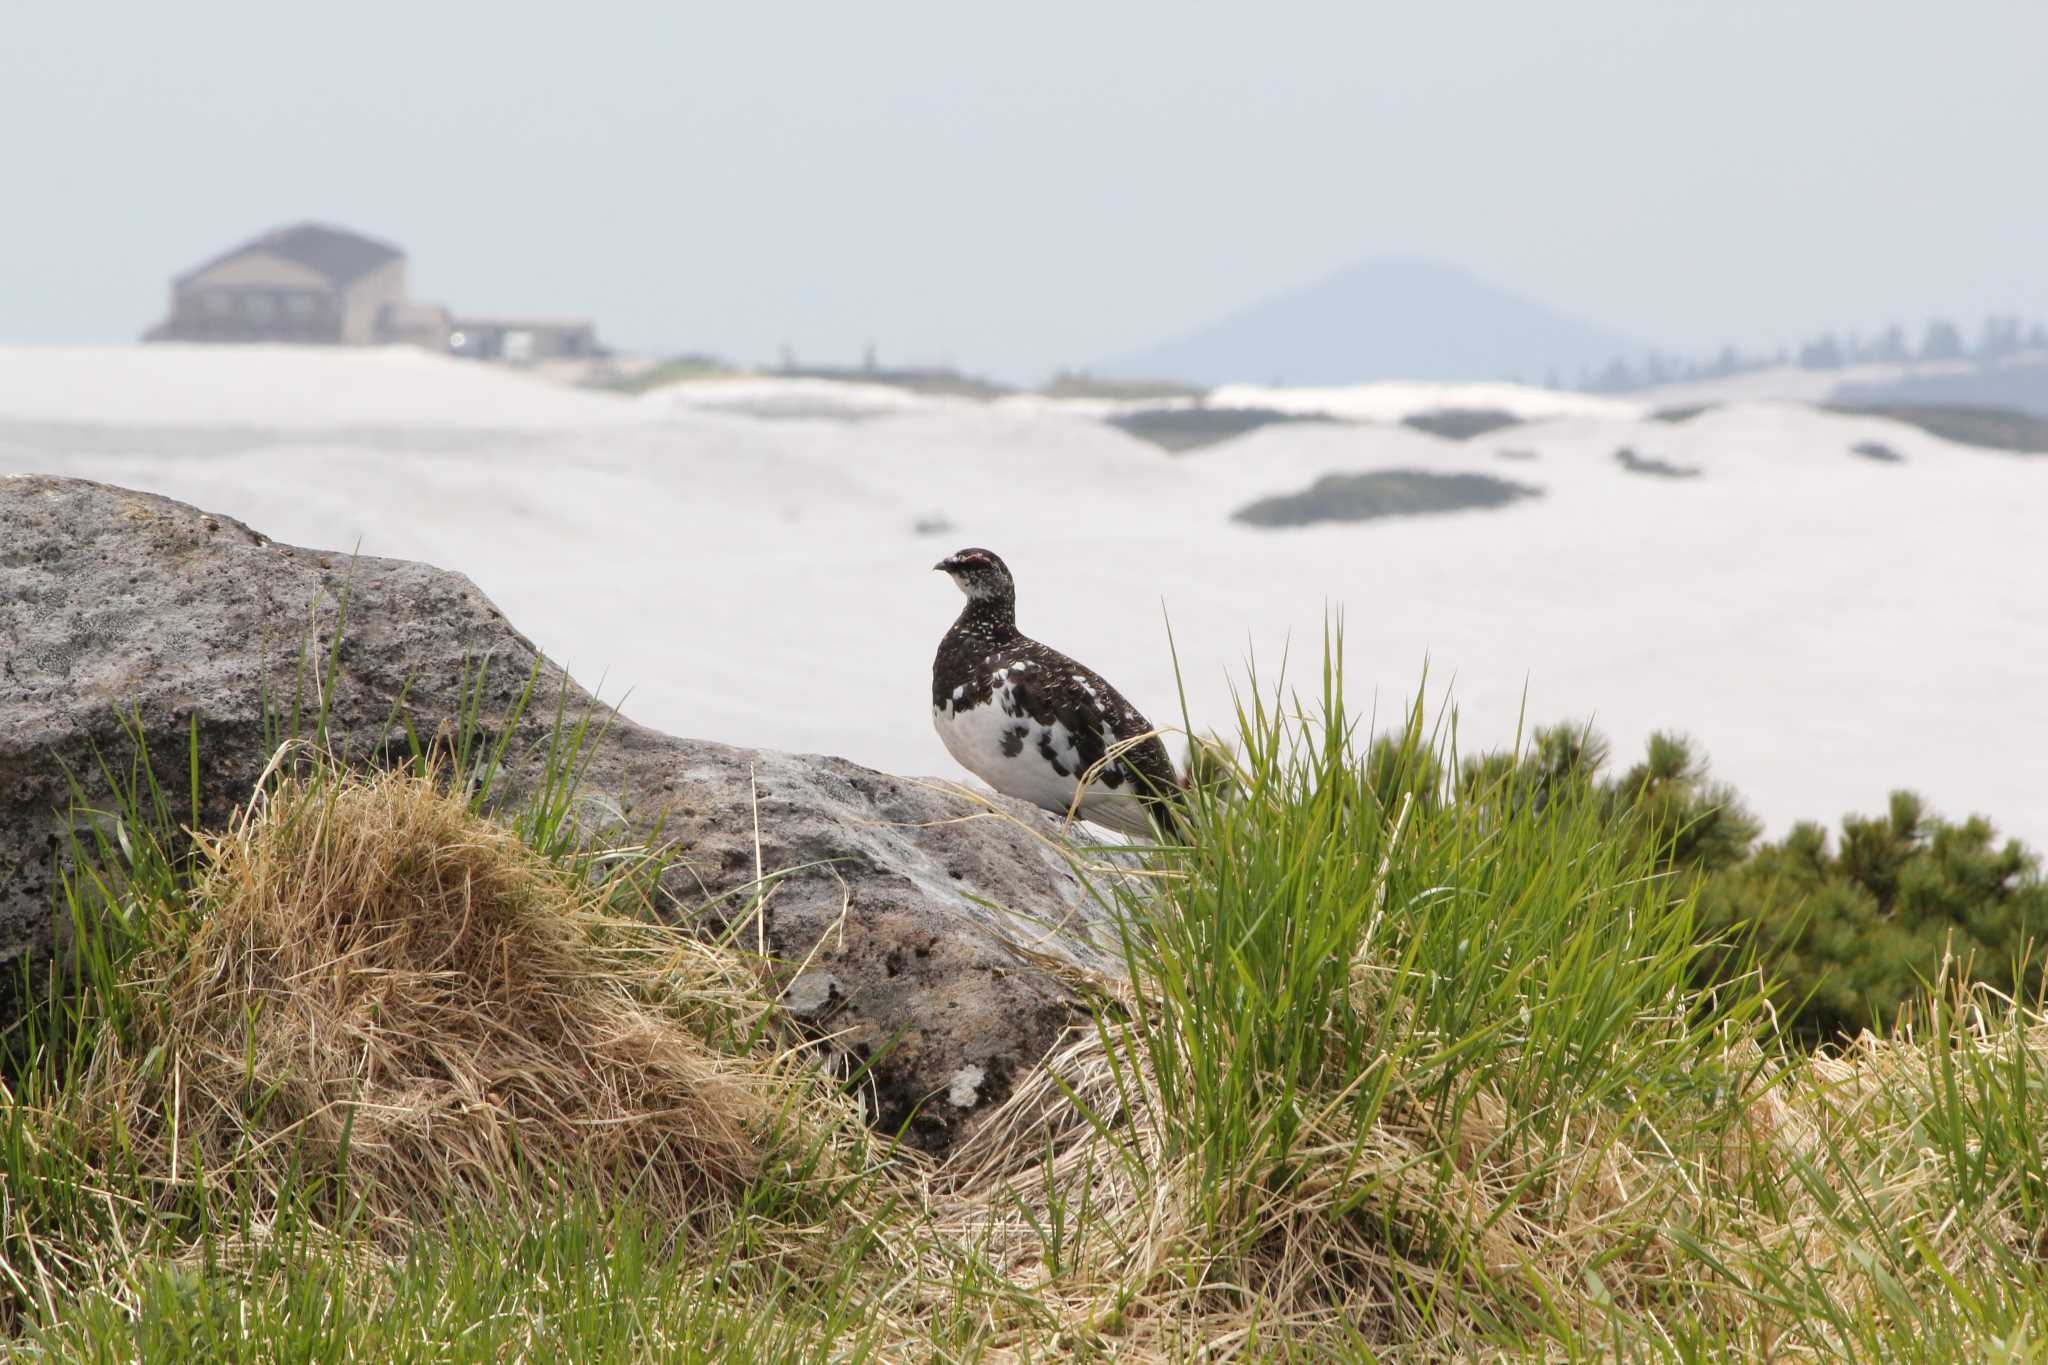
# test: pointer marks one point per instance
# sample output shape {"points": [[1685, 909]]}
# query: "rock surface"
{"points": [[112, 600]]}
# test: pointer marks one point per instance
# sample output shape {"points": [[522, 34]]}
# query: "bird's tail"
{"points": [[1167, 807], [1170, 815]]}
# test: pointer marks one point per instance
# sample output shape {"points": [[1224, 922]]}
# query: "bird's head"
{"points": [[981, 574]]}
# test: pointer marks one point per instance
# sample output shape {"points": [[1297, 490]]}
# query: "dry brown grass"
{"points": [[1328, 1260], [380, 975], [1820, 1195]]}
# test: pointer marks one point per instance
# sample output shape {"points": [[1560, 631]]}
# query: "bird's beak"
{"points": [[941, 565]]}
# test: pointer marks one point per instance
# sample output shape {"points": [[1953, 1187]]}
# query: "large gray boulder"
{"points": [[114, 602]]}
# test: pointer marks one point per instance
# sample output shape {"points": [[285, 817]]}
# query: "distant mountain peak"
{"points": [[1383, 318]]}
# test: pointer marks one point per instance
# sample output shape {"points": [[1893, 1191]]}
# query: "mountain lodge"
{"points": [[318, 285]]}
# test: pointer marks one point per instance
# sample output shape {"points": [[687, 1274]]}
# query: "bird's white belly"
{"points": [[976, 738]]}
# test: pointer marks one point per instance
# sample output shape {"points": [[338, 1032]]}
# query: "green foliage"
{"points": [[1666, 806], [1848, 938], [1854, 936], [1349, 943], [582, 1283]]}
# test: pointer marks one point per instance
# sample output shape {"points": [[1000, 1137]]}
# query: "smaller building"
{"points": [[522, 339], [415, 324]]}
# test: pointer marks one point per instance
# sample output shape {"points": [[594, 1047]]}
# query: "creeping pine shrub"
{"points": [[1666, 806], [1856, 933], [1849, 935]]}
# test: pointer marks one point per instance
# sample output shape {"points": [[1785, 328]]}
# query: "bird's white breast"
{"points": [[979, 737]]}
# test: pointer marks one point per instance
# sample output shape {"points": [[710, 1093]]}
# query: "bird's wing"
{"points": [[1062, 695]]}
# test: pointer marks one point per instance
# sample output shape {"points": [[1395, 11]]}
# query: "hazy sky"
{"points": [[1015, 188]]}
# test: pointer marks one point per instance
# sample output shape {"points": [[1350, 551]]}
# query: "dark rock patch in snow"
{"points": [[1990, 428], [1461, 424], [1628, 459], [1383, 493], [1178, 429]]}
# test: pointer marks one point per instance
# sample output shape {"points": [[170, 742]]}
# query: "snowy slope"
{"points": [[1827, 626], [283, 386], [1392, 400], [776, 396]]}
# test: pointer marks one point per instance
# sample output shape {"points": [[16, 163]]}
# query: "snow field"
{"points": [[1827, 627]]}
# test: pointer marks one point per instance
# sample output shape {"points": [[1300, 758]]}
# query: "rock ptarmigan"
{"points": [[1032, 723]]}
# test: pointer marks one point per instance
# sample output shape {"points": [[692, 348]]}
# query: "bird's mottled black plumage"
{"points": [[1031, 721]]}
